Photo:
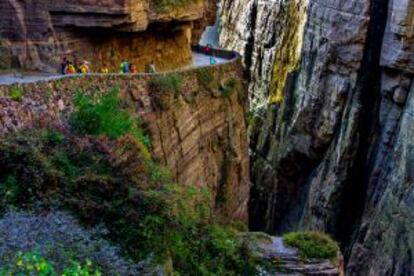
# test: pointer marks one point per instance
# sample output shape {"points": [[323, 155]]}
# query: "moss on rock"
{"points": [[312, 245]]}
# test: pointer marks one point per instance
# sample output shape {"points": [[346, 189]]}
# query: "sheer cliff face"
{"points": [[336, 154], [259, 30], [198, 133], [384, 243], [38, 34]]}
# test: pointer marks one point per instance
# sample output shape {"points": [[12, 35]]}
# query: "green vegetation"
{"points": [[32, 263], [53, 136], [102, 115], [229, 87], [167, 83], [114, 183], [104, 174], [312, 244], [287, 59], [205, 78], [9, 189], [16, 93], [251, 119], [167, 5]]}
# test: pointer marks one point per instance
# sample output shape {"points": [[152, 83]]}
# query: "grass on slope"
{"points": [[312, 244], [103, 173]]}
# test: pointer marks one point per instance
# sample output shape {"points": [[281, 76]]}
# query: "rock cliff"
{"points": [[38, 34], [268, 35], [286, 260], [198, 131], [336, 154]]}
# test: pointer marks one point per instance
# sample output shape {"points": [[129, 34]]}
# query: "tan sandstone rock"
{"points": [[38, 34]]}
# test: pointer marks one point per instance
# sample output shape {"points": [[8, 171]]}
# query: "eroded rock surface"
{"points": [[285, 260], [58, 237], [38, 34], [336, 155], [268, 34], [198, 133]]}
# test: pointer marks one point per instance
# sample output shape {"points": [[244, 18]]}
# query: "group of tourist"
{"points": [[68, 67], [208, 50]]}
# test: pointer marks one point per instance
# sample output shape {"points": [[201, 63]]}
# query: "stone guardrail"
{"points": [[229, 56], [220, 53]]}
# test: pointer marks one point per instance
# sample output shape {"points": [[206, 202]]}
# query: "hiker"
{"points": [[207, 49], [70, 68], [151, 67], [87, 66], [84, 67], [63, 65], [124, 67], [104, 69], [212, 60], [133, 68]]}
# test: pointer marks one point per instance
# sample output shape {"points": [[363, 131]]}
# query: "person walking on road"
{"points": [[63, 65], [104, 69], [133, 68], [212, 60], [151, 67], [84, 67], [124, 67], [70, 68]]}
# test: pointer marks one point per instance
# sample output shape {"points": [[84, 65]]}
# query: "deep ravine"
{"points": [[336, 155]]}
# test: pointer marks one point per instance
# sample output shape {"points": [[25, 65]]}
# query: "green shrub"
{"points": [[251, 119], [312, 244], [53, 136], [197, 243], [81, 270], [115, 182], [16, 93], [61, 160], [229, 87], [32, 263], [103, 114], [159, 173], [166, 5], [9, 189], [167, 83], [205, 78]]}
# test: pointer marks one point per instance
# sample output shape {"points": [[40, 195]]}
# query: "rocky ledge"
{"points": [[336, 155], [285, 260], [38, 34]]}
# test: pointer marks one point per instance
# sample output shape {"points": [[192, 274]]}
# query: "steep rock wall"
{"points": [[268, 34], [336, 155], [297, 135], [199, 134], [384, 241], [38, 34]]}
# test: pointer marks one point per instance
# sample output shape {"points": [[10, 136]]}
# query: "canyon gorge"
{"points": [[336, 154]]}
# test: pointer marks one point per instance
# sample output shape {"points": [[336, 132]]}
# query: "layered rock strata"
{"points": [[38, 34], [336, 155], [268, 34], [199, 133]]}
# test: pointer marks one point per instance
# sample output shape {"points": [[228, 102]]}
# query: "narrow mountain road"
{"points": [[199, 60]]}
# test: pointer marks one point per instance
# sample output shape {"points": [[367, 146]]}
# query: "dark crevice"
{"points": [[351, 202], [251, 41]]}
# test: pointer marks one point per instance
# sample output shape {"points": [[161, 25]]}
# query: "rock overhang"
{"points": [[36, 35]]}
